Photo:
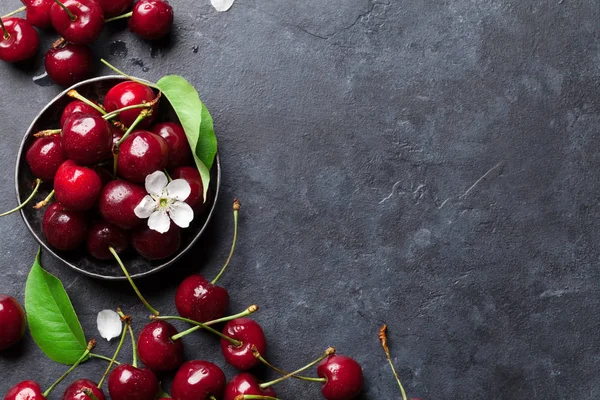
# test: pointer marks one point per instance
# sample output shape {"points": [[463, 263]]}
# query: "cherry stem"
{"points": [[143, 114], [133, 285], [282, 372], [47, 133], [75, 94], [71, 15], [149, 104], [236, 210], [167, 175], [90, 346], [114, 358], [89, 393], [38, 182], [211, 397], [133, 344], [18, 10], [383, 339], [252, 309], [129, 14], [101, 357], [254, 397], [44, 202], [234, 342], [327, 353], [6, 34], [163, 394], [118, 71]]}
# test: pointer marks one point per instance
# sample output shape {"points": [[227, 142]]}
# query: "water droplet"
{"points": [[145, 69], [155, 52], [43, 80], [118, 49], [195, 49]]}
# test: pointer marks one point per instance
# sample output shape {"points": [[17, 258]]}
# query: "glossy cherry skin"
{"points": [[103, 235], [88, 23], [77, 106], [192, 177], [250, 334], [112, 8], [151, 19], [64, 229], [26, 390], [130, 93], [22, 42], [77, 187], [198, 380], [69, 64], [156, 246], [179, 148], [12, 322], [200, 300], [38, 13], [140, 154], [129, 383], [245, 383], [118, 201], [156, 349], [75, 390], [44, 156], [344, 377], [86, 138]]}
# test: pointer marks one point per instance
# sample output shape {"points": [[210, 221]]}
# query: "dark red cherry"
{"points": [[245, 383], [151, 19], [38, 13], [26, 390], [140, 154], [179, 148], [192, 176], [112, 8], [75, 391], [85, 23], [198, 380], [64, 229], [200, 300], [12, 322], [127, 382], [44, 156], [86, 138], [130, 93], [77, 106], [156, 349], [250, 334], [104, 235], [156, 246], [77, 187], [69, 64], [118, 201], [19, 40], [344, 377]]}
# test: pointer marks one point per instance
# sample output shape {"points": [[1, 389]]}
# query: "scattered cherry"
{"points": [[245, 383], [140, 154], [64, 229], [198, 380], [26, 390], [179, 149], [151, 19], [75, 391], [130, 93], [153, 245], [86, 138], [38, 13], [104, 235], [77, 187], [44, 156], [69, 63], [12, 322], [83, 22], [112, 8], [344, 377], [117, 203], [192, 177], [156, 349], [77, 106], [127, 382], [19, 40], [200, 300], [250, 334]]}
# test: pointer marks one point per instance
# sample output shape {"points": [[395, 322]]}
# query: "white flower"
{"points": [[222, 5], [109, 324], [165, 202]]}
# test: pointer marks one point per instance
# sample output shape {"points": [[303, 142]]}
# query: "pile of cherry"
{"points": [[79, 23]]}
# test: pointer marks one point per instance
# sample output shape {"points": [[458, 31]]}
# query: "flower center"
{"points": [[163, 202]]}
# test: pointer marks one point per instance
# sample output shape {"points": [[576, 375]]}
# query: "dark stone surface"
{"points": [[430, 164]]}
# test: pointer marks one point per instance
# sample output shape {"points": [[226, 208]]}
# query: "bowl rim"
{"points": [[154, 270]]}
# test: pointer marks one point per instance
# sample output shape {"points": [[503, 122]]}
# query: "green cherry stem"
{"points": [[234, 342], [282, 372], [254, 397], [44, 202], [89, 393], [6, 35], [133, 285], [118, 17], [383, 340], [113, 360], [163, 394], [71, 15], [38, 182], [327, 353], [133, 343], [47, 132], [143, 114], [90, 346], [75, 94], [101, 357], [167, 175], [236, 210], [149, 104], [18, 10], [211, 397], [118, 71]]}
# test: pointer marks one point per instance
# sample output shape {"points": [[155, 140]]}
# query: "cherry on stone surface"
{"points": [[12, 322], [344, 377], [64, 229], [44, 156], [179, 148], [117, 203], [245, 383], [104, 235], [156, 349], [85, 23], [75, 391], [200, 300], [250, 333], [38, 13], [69, 64], [77, 187], [151, 19], [86, 138], [153, 245], [112, 8], [141, 154], [130, 93], [127, 382], [19, 40], [192, 177], [26, 390], [198, 380], [77, 106]]}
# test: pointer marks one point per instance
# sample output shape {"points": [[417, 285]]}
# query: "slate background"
{"points": [[430, 164]]}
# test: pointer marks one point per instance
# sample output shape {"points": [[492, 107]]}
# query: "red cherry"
{"points": [[69, 64], [112, 8], [141, 154], [192, 177], [76, 187], [19, 40], [64, 229], [38, 13], [86, 138], [344, 377], [83, 26], [77, 106], [26, 390], [104, 235], [12, 322], [151, 19], [245, 383], [156, 349], [75, 390], [179, 148], [156, 246], [44, 156], [118, 201], [200, 300], [250, 334], [128, 94], [198, 380], [127, 382]]}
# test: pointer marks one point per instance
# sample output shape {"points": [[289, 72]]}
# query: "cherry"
{"points": [[76, 187], [19, 40], [104, 235], [75, 391], [344, 377], [12, 322], [44, 156], [198, 380], [156, 349], [78, 21], [250, 334], [77, 106], [26, 390], [38, 12], [179, 148], [151, 19], [86, 138], [127, 382], [156, 246], [126, 94], [245, 383], [113, 8], [64, 229], [140, 154], [117, 203], [192, 177], [200, 300], [69, 63]]}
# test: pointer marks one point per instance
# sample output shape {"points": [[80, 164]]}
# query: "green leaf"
{"points": [[52, 320], [196, 121]]}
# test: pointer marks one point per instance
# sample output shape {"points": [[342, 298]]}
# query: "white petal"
{"points": [[181, 213], [146, 207], [222, 5], [156, 182], [179, 189], [109, 324], [159, 221]]}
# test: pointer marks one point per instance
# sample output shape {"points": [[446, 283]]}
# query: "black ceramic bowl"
{"points": [[80, 260]]}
